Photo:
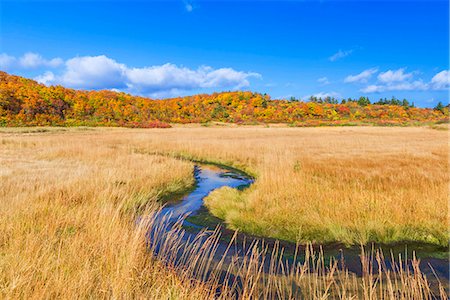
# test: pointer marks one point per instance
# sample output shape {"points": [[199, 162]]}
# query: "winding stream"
{"points": [[209, 178]]}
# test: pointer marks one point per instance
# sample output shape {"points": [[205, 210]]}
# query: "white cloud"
{"points": [[172, 93], [46, 78], [170, 76], [323, 81], [29, 60], [323, 95], [167, 76], [6, 61], [394, 76], [372, 89], [441, 80], [340, 54], [399, 80], [188, 5], [228, 77], [32, 60], [361, 77], [94, 72], [102, 72], [417, 85]]}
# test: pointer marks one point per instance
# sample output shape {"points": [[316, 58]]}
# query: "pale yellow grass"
{"points": [[67, 227], [352, 185], [69, 201]]}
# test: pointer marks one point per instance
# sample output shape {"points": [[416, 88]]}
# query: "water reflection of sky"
{"points": [[208, 179]]}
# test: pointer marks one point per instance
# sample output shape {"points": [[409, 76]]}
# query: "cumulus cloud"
{"points": [[323, 95], [188, 5], [361, 77], [394, 76], [172, 93], [102, 72], [323, 80], [29, 60], [32, 60], [167, 76], [390, 80], [228, 77], [340, 54], [417, 85], [46, 78], [399, 80], [170, 77], [441, 80], [6, 61], [373, 88], [94, 72]]}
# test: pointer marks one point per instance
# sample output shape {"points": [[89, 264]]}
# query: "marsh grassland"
{"points": [[67, 228], [70, 200], [352, 185]]}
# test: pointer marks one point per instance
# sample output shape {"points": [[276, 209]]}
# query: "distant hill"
{"points": [[24, 102]]}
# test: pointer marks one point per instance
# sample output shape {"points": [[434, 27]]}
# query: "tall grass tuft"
{"points": [[257, 271]]}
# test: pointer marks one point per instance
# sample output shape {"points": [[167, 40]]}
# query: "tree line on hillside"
{"points": [[24, 102], [363, 101]]}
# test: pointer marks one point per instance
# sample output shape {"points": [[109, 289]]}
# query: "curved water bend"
{"points": [[172, 245], [207, 180]]}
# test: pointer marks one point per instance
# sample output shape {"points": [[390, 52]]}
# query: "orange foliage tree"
{"points": [[24, 102]]}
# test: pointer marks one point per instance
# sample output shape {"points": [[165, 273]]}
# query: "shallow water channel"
{"points": [[433, 260]]}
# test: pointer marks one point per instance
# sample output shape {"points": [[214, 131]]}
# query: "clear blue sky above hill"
{"points": [[283, 48]]}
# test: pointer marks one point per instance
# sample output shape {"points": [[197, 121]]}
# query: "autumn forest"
{"points": [[24, 102]]}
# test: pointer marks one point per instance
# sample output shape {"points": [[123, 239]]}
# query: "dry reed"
{"points": [[69, 201]]}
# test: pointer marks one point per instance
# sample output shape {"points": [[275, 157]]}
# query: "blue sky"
{"points": [[283, 48]]}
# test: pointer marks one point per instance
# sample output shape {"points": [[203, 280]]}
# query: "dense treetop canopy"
{"points": [[24, 102]]}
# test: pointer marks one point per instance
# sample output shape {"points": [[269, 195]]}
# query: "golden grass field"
{"points": [[351, 185], [66, 230], [69, 199]]}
